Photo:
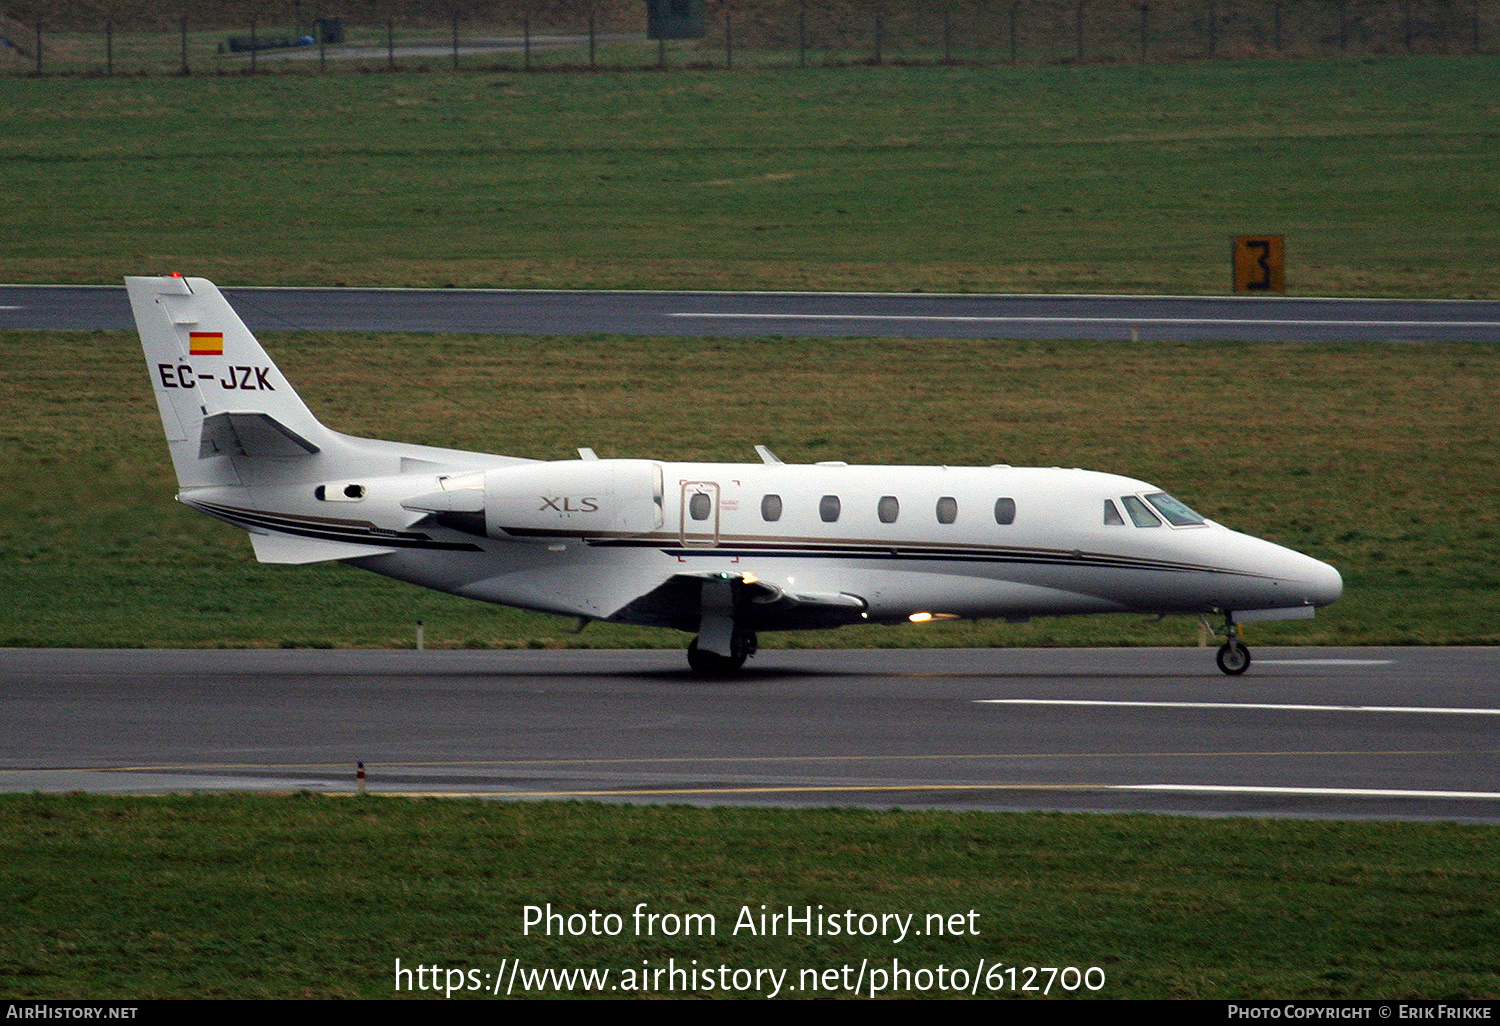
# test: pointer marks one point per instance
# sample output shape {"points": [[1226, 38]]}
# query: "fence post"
{"points": [[1213, 27], [1145, 14], [526, 40], [455, 39], [1015, 9], [1276, 25], [728, 38], [1079, 26], [1476, 26], [591, 40], [184, 48], [38, 48], [947, 37], [390, 44], [1343, 26], [109, 47], [879, 37], [1406, 22], [253, 48]]}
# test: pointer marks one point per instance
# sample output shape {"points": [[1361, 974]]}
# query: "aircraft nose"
{"points": [[1324, 583], [1280, 577]]}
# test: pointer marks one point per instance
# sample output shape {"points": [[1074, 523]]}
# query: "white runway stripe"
{"points": [[1138, 321], [1324, 662], [1342, 792], [1243, 705]]}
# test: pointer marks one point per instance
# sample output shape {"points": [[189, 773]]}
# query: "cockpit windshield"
{"points": [[1176, 512]]}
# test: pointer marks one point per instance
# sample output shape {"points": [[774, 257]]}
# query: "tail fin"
{"points": [[219, 394]]}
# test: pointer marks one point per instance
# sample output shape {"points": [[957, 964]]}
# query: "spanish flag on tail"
{"points": [[206, 343]]}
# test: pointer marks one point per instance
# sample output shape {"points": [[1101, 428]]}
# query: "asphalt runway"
{"points": [[740, 314], [1389, 733]]}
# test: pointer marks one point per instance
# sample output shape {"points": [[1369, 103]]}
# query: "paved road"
{"points": [[1383, 733], [791, 313]]}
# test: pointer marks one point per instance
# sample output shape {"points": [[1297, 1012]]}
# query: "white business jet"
{"points": [[721, 550]]}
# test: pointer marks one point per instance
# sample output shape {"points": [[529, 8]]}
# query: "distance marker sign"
{"points": [[1260, 263]]}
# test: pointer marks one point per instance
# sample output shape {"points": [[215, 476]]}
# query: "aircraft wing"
{"points": [[677, 602]]}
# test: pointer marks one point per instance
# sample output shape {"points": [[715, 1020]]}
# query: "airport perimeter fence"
{"points": [[272, 36]]}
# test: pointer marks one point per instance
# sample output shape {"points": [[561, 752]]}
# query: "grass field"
{"points": [[1380, 459], [166, 898], [1382, 173]]}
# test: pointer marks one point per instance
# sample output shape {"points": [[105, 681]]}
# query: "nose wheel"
{"points": [[1233, 656]]}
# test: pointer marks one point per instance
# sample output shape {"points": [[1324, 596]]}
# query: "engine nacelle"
{"points": [[616, 498]]}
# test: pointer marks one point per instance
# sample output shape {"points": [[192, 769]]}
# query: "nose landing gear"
{"points": [[1233, 656]]}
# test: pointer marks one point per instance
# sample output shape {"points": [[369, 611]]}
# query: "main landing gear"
{"points": [[1233, 657], [722, 645], [742, 646]]}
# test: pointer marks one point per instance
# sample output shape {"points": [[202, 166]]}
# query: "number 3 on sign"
{"points": [[1260, 263]]}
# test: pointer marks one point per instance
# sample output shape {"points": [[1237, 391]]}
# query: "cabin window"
{"points": [[888, 509], [699, 506], [770, 508], [1005, 511], [1112, 516], [1177, 513], [828, 508], [947, 509], [1140, 513]]}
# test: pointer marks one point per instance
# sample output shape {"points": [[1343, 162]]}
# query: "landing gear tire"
{"points": [[711, 664], [1233, 657]]}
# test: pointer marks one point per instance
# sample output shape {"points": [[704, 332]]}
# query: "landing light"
{"points": [[925, 617]]}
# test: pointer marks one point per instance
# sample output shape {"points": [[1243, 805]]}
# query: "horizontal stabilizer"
{"points": [[251, 434], [281, 548]]}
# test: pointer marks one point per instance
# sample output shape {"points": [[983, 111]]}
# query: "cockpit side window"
{"points": [[1140, 513], [1112, 516], [1176, 512]]}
